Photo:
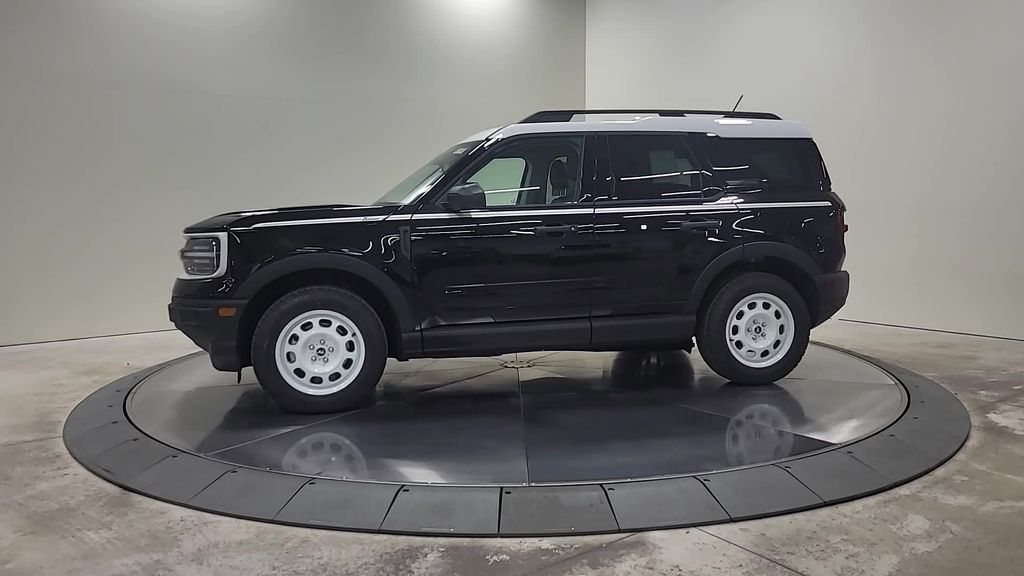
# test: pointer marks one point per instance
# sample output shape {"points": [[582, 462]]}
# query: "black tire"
{"points": [[712, 338], [277, 317]]}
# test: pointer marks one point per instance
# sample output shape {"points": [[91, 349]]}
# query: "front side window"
{"points": [[502, 180], [531, 172], [652, 167]]}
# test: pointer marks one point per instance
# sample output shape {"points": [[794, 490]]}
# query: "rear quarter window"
{"points": [[766, 164]]}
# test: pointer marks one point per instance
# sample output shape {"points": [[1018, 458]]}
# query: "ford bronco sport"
{"points": [[570, 230]]}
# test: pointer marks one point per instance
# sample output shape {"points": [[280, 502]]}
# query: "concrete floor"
{"points": [[967, 517]]}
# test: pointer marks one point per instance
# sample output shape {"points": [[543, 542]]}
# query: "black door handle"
{"points": [[695, 225], [556, 229]]}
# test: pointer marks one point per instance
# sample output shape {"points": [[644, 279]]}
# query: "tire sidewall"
{"points": [[291, 305], [714, 344]]}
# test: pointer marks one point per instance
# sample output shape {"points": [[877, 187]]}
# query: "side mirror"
{"points": [[462, 197]]}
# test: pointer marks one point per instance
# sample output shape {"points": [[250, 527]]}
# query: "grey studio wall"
{"points": [[122, 121], [917, 105]]}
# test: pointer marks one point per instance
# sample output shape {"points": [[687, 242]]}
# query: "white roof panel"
{"points": [[709, 123]]}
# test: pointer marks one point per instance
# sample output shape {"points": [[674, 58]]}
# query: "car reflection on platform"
{"points": [[325, 454], [650, 414], [760, 427], [616, 415]]}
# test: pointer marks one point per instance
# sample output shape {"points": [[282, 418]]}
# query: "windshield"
{"points": [[420, 181]]}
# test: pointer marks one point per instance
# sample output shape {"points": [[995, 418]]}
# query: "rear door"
{"points": [[659, 222]]}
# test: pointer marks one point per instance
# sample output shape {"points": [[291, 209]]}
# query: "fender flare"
{"points": [[749, 253], [365, 271]]}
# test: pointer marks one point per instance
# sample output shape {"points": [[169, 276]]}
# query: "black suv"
{"points": [[570, 230]]}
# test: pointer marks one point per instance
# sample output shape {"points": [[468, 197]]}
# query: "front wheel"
{"points": [[755, 329], [319, 349]]}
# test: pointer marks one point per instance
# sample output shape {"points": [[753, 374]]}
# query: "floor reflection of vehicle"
{"points": [[641, 369], [325, 454], [648, 414], [758, 431], [234, 415], [579, 417]]}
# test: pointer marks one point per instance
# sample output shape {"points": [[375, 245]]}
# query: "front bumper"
{"points": [[833, 289], [207, 323]]}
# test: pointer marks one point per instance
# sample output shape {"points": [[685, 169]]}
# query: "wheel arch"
{"points": [[275, 280], [777, 258]]}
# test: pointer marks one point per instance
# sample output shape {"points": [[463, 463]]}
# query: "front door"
{"points": [[517, 274]]}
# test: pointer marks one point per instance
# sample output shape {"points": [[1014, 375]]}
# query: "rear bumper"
{"points": [[833, 289], [207, 323]]}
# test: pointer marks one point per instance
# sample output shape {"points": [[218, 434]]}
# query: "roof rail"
{"points": [[566, 115]]}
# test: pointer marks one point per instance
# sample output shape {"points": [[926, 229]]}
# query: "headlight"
{"points": [[204, 255]]}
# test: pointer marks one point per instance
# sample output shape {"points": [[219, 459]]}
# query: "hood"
{"points": [[247, 219]]}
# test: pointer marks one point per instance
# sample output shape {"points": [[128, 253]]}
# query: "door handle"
{"points": [[556, 229], [697, 225]]}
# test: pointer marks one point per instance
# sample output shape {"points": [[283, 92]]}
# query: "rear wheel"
{"points": [[319, 349], [755, 329]]}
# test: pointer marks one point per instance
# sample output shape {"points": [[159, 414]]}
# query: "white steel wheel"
{"points": [[320, 352], [760, 330]]}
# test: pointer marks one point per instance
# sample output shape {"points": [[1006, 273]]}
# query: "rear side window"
{"points": [[652, 167], [766, 164]]}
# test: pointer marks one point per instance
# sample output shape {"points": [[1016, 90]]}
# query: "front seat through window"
{"points": [[558, 179]]}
